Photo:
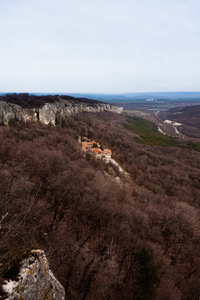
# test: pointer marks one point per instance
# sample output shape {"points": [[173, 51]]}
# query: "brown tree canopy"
{"points": [[104, 240]]}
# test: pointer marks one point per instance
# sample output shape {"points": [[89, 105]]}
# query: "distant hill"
{"points": [[122, 97], [146, 102], [188, 115], [140, 96]]}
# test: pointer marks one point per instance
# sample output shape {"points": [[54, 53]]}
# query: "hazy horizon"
{"points": [[96, 93]]}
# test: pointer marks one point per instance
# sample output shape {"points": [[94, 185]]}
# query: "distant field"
{"points": [[147, 107], [147, 102], [140, 102], [133, 111], [164, 106]]}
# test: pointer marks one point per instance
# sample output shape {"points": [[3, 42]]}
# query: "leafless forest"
{"points": [[136, 240]]}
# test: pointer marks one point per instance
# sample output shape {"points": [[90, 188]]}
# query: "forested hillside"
{"points": [[139, 239], [188, 117]]}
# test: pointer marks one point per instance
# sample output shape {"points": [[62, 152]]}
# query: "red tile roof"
{"points": [[96, 150], [84, 145]]}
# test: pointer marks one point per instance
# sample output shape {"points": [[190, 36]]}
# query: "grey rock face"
{"points": [[35, 281], [9, 111], [50, 112]]}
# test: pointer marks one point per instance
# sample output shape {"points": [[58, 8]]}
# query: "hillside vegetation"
{"points": [[188, 116], [149, 134], [136, 240], [26, 100]]}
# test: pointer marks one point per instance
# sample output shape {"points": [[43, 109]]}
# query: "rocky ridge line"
{"points": [[51, 113]]}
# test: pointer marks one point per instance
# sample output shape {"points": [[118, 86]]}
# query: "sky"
{"points": [[99, 46]]}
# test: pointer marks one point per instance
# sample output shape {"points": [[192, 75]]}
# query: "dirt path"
{"points": [[113, 162]]}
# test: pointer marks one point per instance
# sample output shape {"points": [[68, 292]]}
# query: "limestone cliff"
{"points": [[34, 281], [51, 112]]}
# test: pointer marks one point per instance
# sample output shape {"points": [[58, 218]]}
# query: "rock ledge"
{"points": [[34, 281]]}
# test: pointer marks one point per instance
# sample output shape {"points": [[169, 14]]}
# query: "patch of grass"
{"points": [[149, 134], [133, 111], [193, 145]]}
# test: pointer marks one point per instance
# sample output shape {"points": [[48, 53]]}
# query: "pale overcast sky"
{"points": [[99, 46]]}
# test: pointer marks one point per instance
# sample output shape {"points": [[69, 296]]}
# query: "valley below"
{"points": [[180, 121]]}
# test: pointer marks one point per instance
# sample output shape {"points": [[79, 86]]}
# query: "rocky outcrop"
{"points": [[9, 111], [51, 113], [34, 281]]}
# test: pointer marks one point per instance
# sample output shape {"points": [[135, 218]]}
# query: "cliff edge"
{"points": [[50, 112]]}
